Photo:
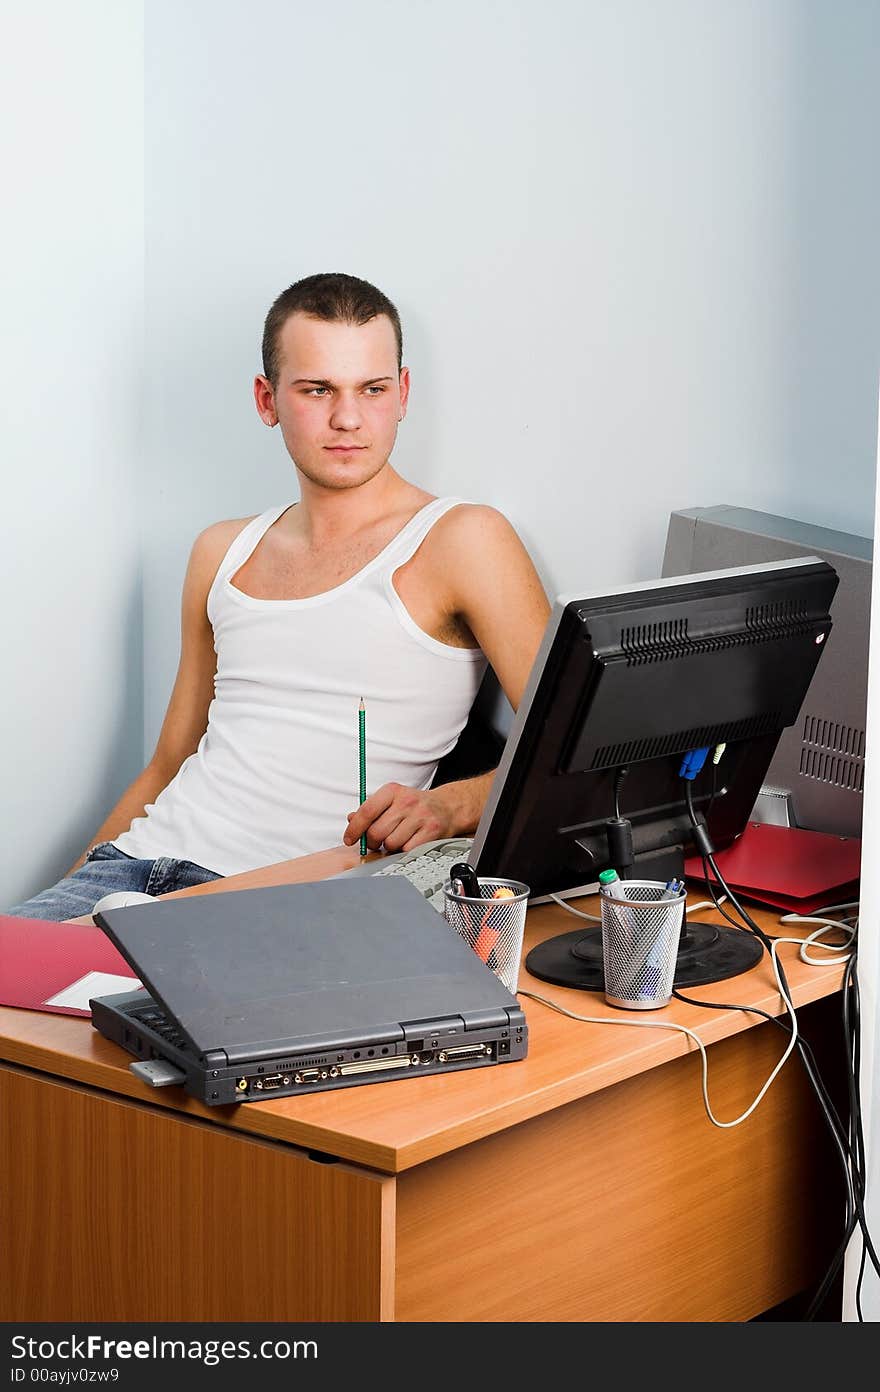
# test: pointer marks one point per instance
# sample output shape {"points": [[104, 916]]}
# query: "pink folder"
{"points": [[40, 959]]}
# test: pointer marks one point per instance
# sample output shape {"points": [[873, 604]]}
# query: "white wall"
{"points": [[631, 246], [71, 170]]}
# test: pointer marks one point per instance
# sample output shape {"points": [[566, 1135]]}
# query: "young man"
{"points": [[367, 588]]}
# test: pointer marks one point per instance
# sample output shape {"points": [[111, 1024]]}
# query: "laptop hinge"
{"points": [[449, 1024], [486, 1019], [313, 1044], [216, 1058]]}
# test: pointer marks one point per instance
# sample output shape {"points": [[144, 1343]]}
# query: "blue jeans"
{"points": [[104, 871]]}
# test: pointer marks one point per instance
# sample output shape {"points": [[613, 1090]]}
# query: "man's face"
{"points": [[339, 398]]}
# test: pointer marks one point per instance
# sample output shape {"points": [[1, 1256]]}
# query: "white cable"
{"points": [[706, 904], [578, 913], [850, 928], [682, 1029], [803, 945], [592, 918], [832, 908]]}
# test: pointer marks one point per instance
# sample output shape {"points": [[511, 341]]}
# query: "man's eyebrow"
{"points": [[322, 382]]}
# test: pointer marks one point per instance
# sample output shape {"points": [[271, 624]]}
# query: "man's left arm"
{"points": [[491, 589]]}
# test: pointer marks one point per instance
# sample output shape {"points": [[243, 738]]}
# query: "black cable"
{"points": [[854, 1076], [856, 1159], [830, 1116], [852, 1032], [621, 774], [849, 1144], [858, 1218], [714, 895], [744, 915], [851, 1154]]}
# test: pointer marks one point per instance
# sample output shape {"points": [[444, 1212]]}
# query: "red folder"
{"points": [[790, 868], [39, 959]]}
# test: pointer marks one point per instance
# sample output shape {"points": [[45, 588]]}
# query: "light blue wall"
{"points": [[71, 363], [633, 246]]}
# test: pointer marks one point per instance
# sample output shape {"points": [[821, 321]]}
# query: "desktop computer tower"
{"points": [[816, 779]]}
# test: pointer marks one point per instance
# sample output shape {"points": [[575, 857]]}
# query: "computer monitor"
{"points": [[624, 686]]}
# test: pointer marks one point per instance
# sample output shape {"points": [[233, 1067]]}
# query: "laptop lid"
{"points": [[304, 966]]}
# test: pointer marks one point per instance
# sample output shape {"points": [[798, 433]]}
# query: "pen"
{"points": [[673, 889], [362, 764], [488, 936], [464, 880], [610, 881]]}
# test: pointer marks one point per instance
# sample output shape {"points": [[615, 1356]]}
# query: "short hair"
{"points": [[333, 297]]}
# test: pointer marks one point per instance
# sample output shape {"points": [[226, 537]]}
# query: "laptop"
{"points": [[257, 993]]}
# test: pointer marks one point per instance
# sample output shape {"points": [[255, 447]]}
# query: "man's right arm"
{"points": [[186, 718]]}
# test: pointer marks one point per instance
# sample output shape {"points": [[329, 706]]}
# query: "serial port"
{"points": [[271, 1082]]}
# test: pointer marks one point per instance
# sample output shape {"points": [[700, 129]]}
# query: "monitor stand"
{"points": [[707, 952]]}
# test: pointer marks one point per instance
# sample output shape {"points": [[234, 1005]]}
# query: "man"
{"points": [[367, 589]]}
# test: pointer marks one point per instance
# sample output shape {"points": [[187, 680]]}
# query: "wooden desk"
{"points": [[583, 1183]]}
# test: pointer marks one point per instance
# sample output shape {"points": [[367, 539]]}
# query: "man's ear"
{"points": [[404, 390], [264, 398]]}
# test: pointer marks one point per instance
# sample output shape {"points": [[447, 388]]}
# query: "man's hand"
{"points": [[401, 818]]}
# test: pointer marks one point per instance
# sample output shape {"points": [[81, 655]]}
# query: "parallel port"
{"points": [[345, 1070]]}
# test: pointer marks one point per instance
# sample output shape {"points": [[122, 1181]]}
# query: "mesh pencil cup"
{"points": [[640, 936], [492, 927]]}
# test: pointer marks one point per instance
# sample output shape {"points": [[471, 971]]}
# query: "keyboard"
{"points": [[427, 867]]}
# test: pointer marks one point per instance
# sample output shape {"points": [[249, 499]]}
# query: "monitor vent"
{"points": [[653, 642], [657, 746], [784, 613], [833, 753], [660, 642]]}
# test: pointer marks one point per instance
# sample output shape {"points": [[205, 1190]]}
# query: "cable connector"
{"points": [[693, 762], [702, 839], [719, 750], [620, 845]]}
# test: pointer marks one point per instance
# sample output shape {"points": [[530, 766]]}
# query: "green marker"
{"points": [[610, 880]]}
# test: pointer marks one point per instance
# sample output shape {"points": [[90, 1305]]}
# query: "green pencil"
{"points": [[362, 763]]}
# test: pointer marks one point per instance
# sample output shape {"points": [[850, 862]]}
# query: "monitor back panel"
{"points": [[819, 763]]}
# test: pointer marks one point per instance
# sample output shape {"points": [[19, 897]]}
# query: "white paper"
{"points": [[78, 994]]}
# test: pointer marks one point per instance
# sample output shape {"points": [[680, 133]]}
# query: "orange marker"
{"points": [[487, 936]]}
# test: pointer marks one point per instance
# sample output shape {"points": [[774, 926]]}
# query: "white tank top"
{"points": [[276, 771]]}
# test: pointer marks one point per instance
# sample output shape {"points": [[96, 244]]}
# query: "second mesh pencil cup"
{"points": [[640, 936], [492, 927]]}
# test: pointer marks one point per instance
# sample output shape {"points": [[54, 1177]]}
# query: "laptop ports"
{"points": [[377, 1065], [464, 1051], [271, 1082]]}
